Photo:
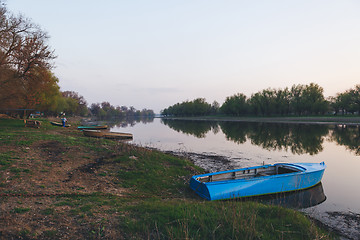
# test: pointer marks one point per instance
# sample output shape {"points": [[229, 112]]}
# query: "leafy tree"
{"points": [[296, 101], [215, 108], [282, 101], [24, 58], [80, 108], [313, 99], [235, 105], [264, 102]]}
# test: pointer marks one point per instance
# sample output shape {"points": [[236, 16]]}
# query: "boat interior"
{"points": [[250, 173]]}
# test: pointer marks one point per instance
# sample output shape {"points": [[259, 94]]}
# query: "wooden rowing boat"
{"points": [[259, 180], [59, 124], [92, 127], [105, 134]]}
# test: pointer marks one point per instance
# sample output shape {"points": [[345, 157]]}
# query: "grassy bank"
{"points": [[55, 184]]}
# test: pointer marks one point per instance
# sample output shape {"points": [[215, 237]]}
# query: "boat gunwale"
{"points": [[301, 171]]}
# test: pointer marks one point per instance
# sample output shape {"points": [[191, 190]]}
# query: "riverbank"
{"points": [[327, 120], [55, 183]]}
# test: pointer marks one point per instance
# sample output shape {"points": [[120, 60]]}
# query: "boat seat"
{"points": [[263, 174]]}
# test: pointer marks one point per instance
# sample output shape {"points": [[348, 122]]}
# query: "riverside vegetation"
{"points": [[55, 183]]}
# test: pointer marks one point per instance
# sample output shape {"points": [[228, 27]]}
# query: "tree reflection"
{"points": [[297, 138], [348, 136], [130, 121], [235, 131], [195, 128]]}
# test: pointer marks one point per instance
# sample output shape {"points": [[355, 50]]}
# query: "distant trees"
{"points": [[107, 111], [197, 107], [298, 100], [347, 102]]}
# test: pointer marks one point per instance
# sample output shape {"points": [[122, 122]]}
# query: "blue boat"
{"points": [[259, 180]]}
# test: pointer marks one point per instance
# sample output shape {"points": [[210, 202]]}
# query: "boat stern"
{"points": [[200, 188]]}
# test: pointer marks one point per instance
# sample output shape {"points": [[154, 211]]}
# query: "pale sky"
{"points": [[155, 53]]}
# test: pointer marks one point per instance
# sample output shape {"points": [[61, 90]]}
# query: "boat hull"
{"points": [[310, 175], [59, 124], [104, 134], [92, 127]]}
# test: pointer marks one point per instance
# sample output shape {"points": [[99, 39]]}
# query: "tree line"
{"points": [[26, 79], [298, 100], [107, 111]]}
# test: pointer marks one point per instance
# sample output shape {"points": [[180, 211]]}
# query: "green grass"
{"points": [[6, 158], [216, 220], [21, 210], [153, 173]]}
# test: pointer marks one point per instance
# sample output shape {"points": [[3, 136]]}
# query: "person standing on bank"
{"points": [[63, 120]]}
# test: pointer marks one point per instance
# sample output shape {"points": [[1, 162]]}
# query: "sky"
{"points": [[155, 53]]}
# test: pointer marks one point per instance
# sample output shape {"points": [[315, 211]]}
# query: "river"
{"points": [[217, 146]]}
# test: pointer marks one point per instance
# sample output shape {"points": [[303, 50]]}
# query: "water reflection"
{"points": [[297, 138], [195, 128], [299, 199], [348, 136], [130, 122]]}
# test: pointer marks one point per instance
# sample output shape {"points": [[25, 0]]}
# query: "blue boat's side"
{"points": [[307, 175]]}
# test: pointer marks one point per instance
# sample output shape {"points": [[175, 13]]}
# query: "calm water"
{"points": [[219, 146]]}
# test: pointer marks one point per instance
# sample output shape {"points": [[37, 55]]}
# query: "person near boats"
{"points": [[63, 119]]}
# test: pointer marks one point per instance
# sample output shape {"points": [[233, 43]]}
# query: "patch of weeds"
{"points": [[51, 234], [6, 159], [20, 210], [48, 211], [24, 234], [19, 170], [65, 203], [75, 212], [98, 231], [103, 174], [24, 142], [86, 208]]}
